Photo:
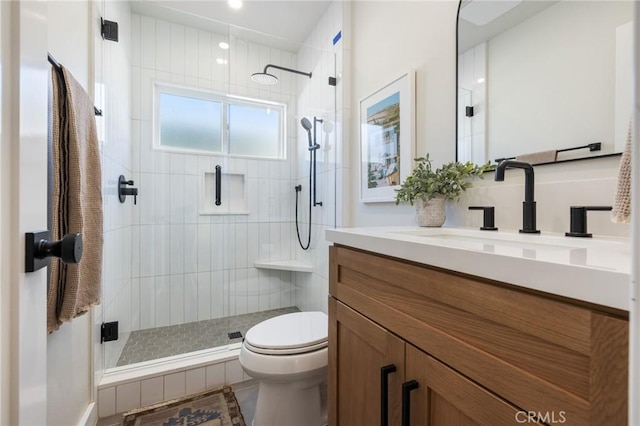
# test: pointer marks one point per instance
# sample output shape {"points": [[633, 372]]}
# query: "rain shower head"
{"points": [[307, 126], [265, 78]]}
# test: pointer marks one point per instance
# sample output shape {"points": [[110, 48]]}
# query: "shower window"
{"points": [[196, 121], [256, 130]]}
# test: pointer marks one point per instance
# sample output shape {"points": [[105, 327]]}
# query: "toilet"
{"points": [[287, 354]]}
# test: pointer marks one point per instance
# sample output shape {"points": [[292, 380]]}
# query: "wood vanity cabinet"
{"points": [[464, 350]]}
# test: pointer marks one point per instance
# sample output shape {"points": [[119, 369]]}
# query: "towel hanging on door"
{"points": [[76, 200]]}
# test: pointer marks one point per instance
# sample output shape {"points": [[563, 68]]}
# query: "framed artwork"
{"points": [[387, 139]]}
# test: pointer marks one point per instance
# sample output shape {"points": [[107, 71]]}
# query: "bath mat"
{"points": [[215, 407]]}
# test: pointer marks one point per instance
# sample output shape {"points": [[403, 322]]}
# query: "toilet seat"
{"points": [[290, 334], [288, 351]]}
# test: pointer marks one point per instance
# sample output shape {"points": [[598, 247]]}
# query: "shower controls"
{"points": [[123, 190], [38, 249]]}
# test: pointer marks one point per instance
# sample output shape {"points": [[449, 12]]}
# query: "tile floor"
{"points": [[154, 343]]}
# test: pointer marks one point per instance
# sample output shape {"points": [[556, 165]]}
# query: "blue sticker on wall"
{"points": [[337, 37]]}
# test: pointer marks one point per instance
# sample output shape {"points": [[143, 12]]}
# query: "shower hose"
{"points": [[297, 229]]}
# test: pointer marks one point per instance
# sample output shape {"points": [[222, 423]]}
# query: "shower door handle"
{"points": [[218, 184]]}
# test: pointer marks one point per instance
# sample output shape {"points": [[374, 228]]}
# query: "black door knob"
{"points": [[39, 249], [68, 249]]}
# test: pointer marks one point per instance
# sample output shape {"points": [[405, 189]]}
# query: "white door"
{"points": [[23, 208]]}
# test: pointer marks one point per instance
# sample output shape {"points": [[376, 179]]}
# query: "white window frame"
{"points": [[225, 100]]}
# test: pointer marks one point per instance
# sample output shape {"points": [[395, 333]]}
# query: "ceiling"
{"points": [[282, 24], [470, 35]]}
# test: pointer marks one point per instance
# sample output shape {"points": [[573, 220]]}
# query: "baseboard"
{"points": [[90, 416]]}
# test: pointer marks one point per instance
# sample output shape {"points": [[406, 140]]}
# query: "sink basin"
{"points": [[511, 239], [552, 248]]}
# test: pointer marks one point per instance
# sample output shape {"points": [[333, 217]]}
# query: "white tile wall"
{"points": [[215, 375], [133, 394], [182, 258], [152, 391], [107, 402], [128, 396], [195, 380], [174, 385]]}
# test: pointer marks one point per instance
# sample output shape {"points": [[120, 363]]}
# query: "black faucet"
{"points": [[528, 206]]}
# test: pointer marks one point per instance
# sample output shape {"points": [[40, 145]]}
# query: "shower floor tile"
{"points": [[154, 343]]}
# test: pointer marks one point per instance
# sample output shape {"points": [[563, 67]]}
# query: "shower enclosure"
{"points": [[216, 158]]}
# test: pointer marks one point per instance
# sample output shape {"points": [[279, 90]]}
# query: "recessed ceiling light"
{"points": [[235, 4], [221, 61], [223, 45]]}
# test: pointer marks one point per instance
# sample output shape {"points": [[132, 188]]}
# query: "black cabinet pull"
{"points": [[218, 184], [384, 393], [407, 387]]}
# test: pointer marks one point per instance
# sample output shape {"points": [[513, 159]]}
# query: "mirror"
{"points": [[543, 81]]}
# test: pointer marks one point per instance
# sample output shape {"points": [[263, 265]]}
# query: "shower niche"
{"points": [[224, 194]]}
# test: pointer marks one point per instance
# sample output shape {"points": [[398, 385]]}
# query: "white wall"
{"points": [[569, 49], [317, 99], [418, 35], [428, 42], [69, 364]]}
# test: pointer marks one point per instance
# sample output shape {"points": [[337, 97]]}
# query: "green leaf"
{"points": [[448, 181]]}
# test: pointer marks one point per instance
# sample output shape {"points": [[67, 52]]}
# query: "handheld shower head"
{"points": [[307, 126]]}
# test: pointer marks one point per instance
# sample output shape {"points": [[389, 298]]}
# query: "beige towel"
{"points": [[539, 157], [76, 201], [622, 205]]}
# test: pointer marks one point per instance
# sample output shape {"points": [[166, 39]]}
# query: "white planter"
{"points": [[430, 213]]}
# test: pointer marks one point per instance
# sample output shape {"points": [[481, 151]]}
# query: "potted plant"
{"points": [[429, 188]]}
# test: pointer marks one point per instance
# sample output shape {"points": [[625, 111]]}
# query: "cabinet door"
{"points": [[358, 352], [444, 397]]}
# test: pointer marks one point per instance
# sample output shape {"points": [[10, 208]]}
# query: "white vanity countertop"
{"points": [[595, 270]]}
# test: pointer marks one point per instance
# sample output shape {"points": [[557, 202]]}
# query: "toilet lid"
{"points": [[290, 333]]}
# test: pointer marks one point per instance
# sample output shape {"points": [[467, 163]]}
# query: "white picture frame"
{"points": [[387, 139]]}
